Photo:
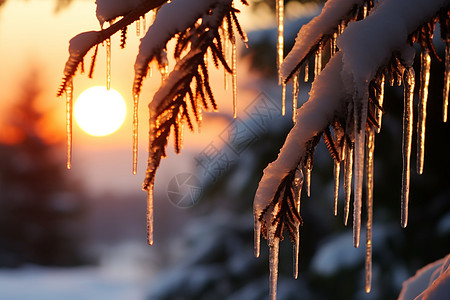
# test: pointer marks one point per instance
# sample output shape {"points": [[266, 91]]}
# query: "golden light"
{"points": [[99, 112]]}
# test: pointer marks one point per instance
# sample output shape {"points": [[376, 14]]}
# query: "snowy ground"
{"points": [[119, 276]]}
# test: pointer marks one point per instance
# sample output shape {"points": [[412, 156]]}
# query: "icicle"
{"points": [[298, 184], [164, 66], [108, 64], [135, 131], [446, 81], [295, 90], [360, 117], [180, 128], [348, 173], [273, 265], [333, 43], [318, 61], [407, 141], [144, 23], [280, 40], [226, 52], [425, 61], [337, 169], [380, 102], [283, 98], [150, 214], [306, 71], [308, 169], [369, 190], [234, 77], [257, 236], [69, 117], [138, 27]]}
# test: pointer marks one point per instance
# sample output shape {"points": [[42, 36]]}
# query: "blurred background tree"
{"points": [[39, 205]]}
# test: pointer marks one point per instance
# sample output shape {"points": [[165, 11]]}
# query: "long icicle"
{"points": [[318, 61], [425, 61], [306, 79], [283, 98], [257, 236], [337, 170], [150, 214], [108, 63], [273, 265], [409, 83], [348, 174], [298, 184], [295, 90], [135, 131], [280, 39], [446, 81], [234, 76], [69, 117], [369, 190], [380, 101], [360, 117]]}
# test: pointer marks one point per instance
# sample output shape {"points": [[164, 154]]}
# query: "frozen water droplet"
{"points": [[108, 64], [308, 170], [348, 174], [280, 39], [135, 131], [425, 60], [446, 81], [407, 141], [69, 117]]}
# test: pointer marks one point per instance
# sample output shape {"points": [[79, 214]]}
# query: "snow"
{"points": [[108, 10], [310, 34], [173, 17], [312, 117], [432, 282]]}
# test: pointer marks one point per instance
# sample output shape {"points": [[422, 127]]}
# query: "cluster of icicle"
{"points": [[368, 44], [203, 28]]}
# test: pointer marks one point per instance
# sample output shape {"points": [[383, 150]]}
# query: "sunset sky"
{"points": [[35, 38]]}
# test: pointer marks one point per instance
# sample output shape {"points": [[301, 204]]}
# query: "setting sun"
{"points": [[100, 112]]}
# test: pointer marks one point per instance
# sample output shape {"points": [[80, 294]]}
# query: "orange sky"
{"points": [[33, 36]]}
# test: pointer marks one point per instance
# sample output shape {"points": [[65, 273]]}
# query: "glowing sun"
{"points": [[100, 112]]}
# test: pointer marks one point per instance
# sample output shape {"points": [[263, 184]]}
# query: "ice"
{"points": [[360, 116], [135, 131], [108, 64], [69, 117], [150, 214], [337, 169], [318, 61], [333, 43], [369, 203], [280, 37], [348, 173], [298, 184], [273, 266], [380, 102], [257, 236], [295, 91], [138, 27], [234, 76], [409, 83], [283, 98], [425, 61], [308, 169], [306, 79], [446, 81]]}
